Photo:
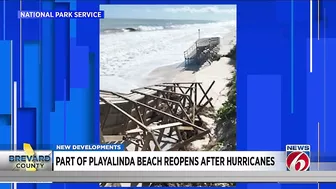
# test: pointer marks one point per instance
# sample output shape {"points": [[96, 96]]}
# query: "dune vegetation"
{"points": [[226, 116]]}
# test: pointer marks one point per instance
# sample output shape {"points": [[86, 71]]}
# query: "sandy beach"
{"points": [[219, 71]]}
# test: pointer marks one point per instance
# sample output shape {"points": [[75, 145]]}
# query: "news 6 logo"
{"points": [[298, 157]]}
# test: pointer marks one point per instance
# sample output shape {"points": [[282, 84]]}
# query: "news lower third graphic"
{"points": [[298, 157], [26, 160], [114, 158], [60, 14]]}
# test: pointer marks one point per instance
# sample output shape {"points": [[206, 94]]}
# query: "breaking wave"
{"points": [[144, 28]]}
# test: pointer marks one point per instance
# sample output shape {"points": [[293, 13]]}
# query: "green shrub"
{"points": [[232, 53], [226, 116]]}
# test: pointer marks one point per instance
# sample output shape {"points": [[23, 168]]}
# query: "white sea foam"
{"points": [[126, 58]]}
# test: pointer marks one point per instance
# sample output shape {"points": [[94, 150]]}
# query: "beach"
{"points": [[129, 59], [218, 71]]}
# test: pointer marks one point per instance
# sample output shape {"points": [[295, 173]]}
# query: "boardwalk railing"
{"points": [[191, 50], [210, 43]]}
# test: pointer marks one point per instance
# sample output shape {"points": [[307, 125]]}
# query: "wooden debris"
{"points": [[159, 117]]}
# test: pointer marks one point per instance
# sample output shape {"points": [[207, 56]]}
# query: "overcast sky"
{"points": [[183, 12]]}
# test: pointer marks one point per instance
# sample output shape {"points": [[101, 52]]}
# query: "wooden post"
{"points": [[102, 141], [195, 94], [206, 93], [105, 117]]}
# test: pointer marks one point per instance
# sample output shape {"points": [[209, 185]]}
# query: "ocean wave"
{"points": [[145, 28], [127, 59], [117, 30], [137, 29]]}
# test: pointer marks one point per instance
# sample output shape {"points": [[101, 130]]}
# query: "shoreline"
{"points": [[137, 67], [215, 74], [163, 74]]}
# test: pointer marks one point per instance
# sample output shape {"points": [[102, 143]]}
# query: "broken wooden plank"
{"points": [[155, 127], [185, 128], [206, 93], [203, 106]]}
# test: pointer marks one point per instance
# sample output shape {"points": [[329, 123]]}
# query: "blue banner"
{"points": [[60, 14], [87, 147]]}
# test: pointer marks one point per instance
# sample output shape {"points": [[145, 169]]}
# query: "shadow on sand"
{"points": [[195, 67], [192, 67], [189, 67]]}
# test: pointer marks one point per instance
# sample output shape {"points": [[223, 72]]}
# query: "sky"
{"points": [[183, 12]]}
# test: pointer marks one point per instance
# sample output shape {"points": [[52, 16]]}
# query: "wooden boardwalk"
{"points": [[118, 100], [162, 117], [195, 53], [167, 113]]}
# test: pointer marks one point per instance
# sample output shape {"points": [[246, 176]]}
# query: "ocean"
{"points": [[132, 48]]}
